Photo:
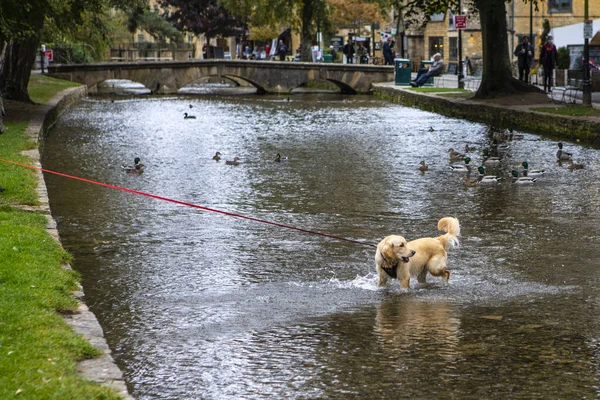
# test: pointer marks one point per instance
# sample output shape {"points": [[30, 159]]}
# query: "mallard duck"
{"points": [[502, 146], [136, 168], [278, 158], [487, 160], [423, 167], [483, 178], [562, 155], [531, 172], [217, 156], [236, 161], [431, 129], [515, 136], [469, 183], [186, 116], [469, 149], [191, 106], [455, 155], [462, 167], [572, 165], [522, 179]]}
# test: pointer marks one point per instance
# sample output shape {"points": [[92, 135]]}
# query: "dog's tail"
{"points": [[451, 226]]}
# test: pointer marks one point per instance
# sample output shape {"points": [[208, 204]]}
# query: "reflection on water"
{"points": [[198, 305]]}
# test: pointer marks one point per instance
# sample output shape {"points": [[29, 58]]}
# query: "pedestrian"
{"points": [[388, 52], [267, 52], [282, 50], [524, 53], [437, 68], [362, 54], [548, 58], [333, 53], [349, 51]]}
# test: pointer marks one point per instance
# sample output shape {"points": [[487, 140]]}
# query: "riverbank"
{"points": [[515, 112], [52, 347]]}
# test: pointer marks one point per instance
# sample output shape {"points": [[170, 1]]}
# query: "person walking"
{"points": [[388, 52], [548, 58], [349, 52], [282, 50], [524, 53]]}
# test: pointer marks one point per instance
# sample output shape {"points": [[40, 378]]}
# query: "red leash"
{"points": [[183, 203]]}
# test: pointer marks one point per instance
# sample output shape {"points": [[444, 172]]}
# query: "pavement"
{"points": [[558, 95]]}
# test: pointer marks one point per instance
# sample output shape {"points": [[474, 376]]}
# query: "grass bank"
{"points": [[38, 350]]}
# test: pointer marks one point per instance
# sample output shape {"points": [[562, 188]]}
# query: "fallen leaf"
{"points": [[492, 317], [19, 391]]}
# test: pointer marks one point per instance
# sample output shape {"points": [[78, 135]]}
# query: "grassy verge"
{"points": [[573, 111], [43, 88], [38, 350], [437, 90]]}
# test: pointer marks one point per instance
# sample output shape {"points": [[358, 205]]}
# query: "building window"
{"points": [[451, 24], [453, 50], [560, 6], [140, 38], [436, 45]]}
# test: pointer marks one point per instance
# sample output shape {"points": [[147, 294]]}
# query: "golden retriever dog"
{"points": [[395, 258]]}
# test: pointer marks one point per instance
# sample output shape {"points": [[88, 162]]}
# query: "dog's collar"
{"points": [[391, 270]]}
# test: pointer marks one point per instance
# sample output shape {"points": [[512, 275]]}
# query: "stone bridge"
{"points": [[266, 76]]}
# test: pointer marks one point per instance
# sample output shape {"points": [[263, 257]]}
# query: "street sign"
{"points": [[588, 29], [460, 21], [49, 55]]}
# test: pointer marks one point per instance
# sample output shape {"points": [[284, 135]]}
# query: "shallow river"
{"points": [[199, 305]]}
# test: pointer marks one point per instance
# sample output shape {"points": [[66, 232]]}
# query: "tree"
{"points": [[21, 24], [206, 17], [497, 76]]}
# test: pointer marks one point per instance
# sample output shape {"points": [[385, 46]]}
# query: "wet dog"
{"points": [[396, 258]]}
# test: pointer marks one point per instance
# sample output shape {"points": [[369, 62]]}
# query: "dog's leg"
{"points": [[404, 276], [382, 281], [437, 267], [422, 277]]}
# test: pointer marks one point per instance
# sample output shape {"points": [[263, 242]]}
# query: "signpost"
{"points": [[588, 29], [460, 22]]}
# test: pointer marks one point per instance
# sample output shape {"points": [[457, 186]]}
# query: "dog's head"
{"points": [[394, 248]]}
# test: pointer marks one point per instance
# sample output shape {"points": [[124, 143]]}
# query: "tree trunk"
{"points": [[15, 68], [307, 35]]}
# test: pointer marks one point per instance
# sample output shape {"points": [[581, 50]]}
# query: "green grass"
{"points": [[19, 182], [573, 111], [437, 90], [43, 88], [38, 350]]}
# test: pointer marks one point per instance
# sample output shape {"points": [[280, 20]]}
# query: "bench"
{"points": [[567, 94]]}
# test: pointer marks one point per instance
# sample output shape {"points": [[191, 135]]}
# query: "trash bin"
{"points": [[402, 69], [328, 58], [426, 64]]}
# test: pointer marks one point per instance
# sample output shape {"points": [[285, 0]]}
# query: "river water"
{"points": [[199, 305]]}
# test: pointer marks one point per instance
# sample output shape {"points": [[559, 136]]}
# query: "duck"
{"points": [[531, 172], [469, 183], [217, 156], [462, 167], [431, 129], [236, 161], [502, 146], [469, 149], [423, 167], [455, 155], [483, 178], [522, 180], [515, 136], [191, 106], [487, 160], [136, 168], [562, 155], [186, 116], [278, 158], [572, 165]]}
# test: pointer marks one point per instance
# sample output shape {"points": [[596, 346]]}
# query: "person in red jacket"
{"points": [[548, 58]]}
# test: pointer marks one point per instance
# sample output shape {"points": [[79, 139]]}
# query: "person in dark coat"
{"points": [[282, 50], [349, 52], [388, 52], [524, 53], [548, 58]]}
